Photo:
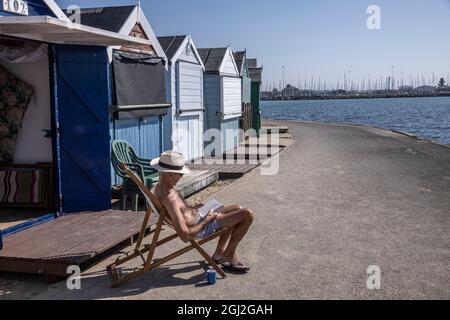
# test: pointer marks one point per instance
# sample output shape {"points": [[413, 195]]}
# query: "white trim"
{"points": [[230, 116], [56, 10], [222, 101], [144, 106], [186, 42], [229, 52], [62, 34], [130, 22], [177, 87]]}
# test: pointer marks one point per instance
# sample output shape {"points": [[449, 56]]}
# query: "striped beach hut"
{"points": [[184, 126], [223, 95]]}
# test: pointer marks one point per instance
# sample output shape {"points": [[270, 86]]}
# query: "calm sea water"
{"points": [[425, 117]]}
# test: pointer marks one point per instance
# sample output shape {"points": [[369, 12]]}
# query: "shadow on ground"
{"points": [[96, 284]]}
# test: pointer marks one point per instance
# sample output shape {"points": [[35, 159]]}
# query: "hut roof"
{"points": [[171, 44], [239, 57], [212, 58], [105, 18]]}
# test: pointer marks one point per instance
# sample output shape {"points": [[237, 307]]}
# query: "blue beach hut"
{"points": [[55, 124], [138, 73]]}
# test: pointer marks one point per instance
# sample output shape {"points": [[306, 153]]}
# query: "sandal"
{"points": [[234, 266]]}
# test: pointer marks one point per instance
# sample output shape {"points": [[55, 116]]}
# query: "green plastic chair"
{"points": [[123, 152]]}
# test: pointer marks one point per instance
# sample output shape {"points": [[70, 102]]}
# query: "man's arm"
{"points": [[186, 233]]}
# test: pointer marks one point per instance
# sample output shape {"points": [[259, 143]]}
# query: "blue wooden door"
{"points": [[150, 137], [81, 109]]}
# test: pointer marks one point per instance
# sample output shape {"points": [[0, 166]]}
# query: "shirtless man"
{"points": [[187, 221]]}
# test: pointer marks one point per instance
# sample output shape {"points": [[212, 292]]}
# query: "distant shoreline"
{"points": [[409, 134], [358, 97]]}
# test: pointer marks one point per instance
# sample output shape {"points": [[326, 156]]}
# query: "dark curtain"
{"points": [[139, 85]]}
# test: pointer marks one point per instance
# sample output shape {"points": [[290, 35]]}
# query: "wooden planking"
{"points": [[99, 232], [72, 236], [212, 100], [189, 56], [68, 233], [190, 85], [246, 90], [228, 67], [61, 234], [109, 237], [232, 95], [13, 241]]}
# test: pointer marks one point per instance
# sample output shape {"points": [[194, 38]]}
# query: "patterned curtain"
{"points": [[15, 95]]}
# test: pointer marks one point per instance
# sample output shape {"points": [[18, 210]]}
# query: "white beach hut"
{"points": [[184, 125], [223, 95]]}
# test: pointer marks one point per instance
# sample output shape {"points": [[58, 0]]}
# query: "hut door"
{"points": [[189, 137], [82, 119]]}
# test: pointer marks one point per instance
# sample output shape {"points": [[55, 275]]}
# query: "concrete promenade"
{"points": [[345, 198]]}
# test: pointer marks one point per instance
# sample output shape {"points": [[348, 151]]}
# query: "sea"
{"points": [[427, 118]]}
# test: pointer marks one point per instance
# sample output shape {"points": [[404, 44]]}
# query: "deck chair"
{"points": [[155, 206]]}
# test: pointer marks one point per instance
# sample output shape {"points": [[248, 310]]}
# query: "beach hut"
{"points": [[241, 62], [255, 73], [139, 85], [223, 95], [184, 124], [55, 95]]}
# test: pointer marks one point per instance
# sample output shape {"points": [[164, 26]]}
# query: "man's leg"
{"points": [[223, 240], [240, 221]]}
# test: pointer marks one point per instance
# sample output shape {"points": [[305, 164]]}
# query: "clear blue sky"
{"points": [[314, 38]]}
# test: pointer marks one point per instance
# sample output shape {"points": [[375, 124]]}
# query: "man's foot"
{"points": [[235, 266], [231, 264]]}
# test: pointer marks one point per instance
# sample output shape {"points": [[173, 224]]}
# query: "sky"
{"points": [[314, 38]]}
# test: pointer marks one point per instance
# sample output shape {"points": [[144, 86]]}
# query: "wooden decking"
{"points": [[76, 239]]}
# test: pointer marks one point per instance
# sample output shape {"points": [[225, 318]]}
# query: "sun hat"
{"points": [[171, 162]]}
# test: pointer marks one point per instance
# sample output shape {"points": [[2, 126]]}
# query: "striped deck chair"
{"points": [[149, 263]]}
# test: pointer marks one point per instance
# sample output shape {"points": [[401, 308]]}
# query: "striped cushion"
{"points": [[20, 186]]}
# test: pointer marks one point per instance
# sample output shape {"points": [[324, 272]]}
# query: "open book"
{"points": [[213, 205]]}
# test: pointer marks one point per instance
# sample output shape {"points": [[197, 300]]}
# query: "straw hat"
{"points": [[170, 161]]}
